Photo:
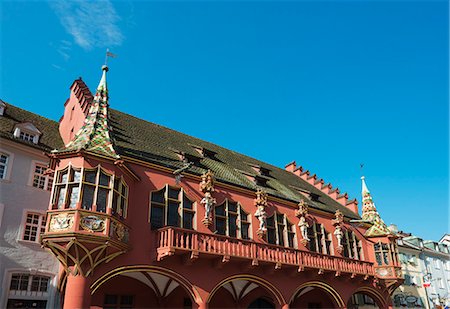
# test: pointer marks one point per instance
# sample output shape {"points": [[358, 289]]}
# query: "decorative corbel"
{"points": [[301, 214], [207, 187], [337, 223], [261, 204]]}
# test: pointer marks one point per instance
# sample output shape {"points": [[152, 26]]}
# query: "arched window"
{"points": [[280, 231], [231, 220], [319, 239], [94, 189], [171, 206], [352, 246]]}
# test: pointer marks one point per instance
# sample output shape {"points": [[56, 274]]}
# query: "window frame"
{"points": [[7, 165], [325, 243], [48, 179], [383, 253], [181, 209], [40, 225], [239, 221], [287, 231]]}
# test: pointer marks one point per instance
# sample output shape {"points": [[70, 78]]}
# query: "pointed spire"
{"points": [[95, 134], [370, 213]]}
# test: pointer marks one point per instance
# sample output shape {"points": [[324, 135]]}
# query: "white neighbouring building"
{"points": [[424, 263], [28, 273]]}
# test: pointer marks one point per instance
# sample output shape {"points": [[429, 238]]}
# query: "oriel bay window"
{"points": [[280, 231], [171, 206], [94, 189], [231, 220]]}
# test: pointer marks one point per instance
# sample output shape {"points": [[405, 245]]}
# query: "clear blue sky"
{"points": [[329, 84]]}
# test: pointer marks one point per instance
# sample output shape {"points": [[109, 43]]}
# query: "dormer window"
{"points": [[27, 132]]}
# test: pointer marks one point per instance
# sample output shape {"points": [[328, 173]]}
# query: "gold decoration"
{"points": [[302, 210], [207, 184], [61, 222], [92, 223]]}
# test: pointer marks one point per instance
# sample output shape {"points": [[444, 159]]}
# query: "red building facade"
{"points": [[145, 217]]}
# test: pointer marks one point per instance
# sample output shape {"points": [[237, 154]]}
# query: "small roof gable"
{"points": [[29, 127]]}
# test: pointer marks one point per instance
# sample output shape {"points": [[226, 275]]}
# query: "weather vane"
{"points": [[109, 54]]}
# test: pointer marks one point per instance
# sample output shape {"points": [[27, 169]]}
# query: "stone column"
{"points": [[77, 292]]}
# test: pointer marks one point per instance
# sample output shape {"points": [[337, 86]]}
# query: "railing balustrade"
{"points": [[172, 239]]}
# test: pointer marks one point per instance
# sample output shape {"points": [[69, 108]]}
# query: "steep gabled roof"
{"points": [[153, 143], [13, 116]]}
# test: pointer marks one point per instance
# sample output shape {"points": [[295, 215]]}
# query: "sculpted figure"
{"points": [[339, 234], [262, 217], [303, 224], [209, 202]]}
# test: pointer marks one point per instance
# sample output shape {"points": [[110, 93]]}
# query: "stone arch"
{"points": [[277, 295], [339, 302], [183, 282], [373, 293]]}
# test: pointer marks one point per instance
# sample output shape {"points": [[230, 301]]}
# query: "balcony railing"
{"points": [[69, 221], [173, 240]]}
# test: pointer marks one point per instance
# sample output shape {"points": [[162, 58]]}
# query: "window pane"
{"points": [[104, 179], [88, 197], [244, 230], [220, 210], [244, 216], [89, 176], [187, 203], [280, 235], [126, 300], [61, 196], [220, 226], [291, 239], [158, 196], [102, 199], [270, 222], [174, 193], [232, 227], [110, 299], [280, 218], [73, 195], [75, 175], [157, 217], [172, 213], [232, 207], [62, 177], [271, 239], [187, 220], [114, 205]]}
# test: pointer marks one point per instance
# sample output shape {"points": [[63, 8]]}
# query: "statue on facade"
{"points": [[261, 214], [207, 187], [262, 217], [303, 224], [301, 213], [209, 203], [339, 235], [338, 232]]}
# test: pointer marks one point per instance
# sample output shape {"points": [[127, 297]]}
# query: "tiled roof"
{"points": [[50, 138], [153, 143]]}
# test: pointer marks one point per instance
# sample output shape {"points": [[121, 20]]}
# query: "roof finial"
{"points": [[370, 213]]}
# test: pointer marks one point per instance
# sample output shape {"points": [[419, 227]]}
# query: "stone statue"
{"points": [[209, 202], [262, 217], [339, 235], [303, 224]]}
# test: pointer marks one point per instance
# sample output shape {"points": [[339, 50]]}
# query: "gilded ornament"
{"points": [[61, 222], [93, 223]]}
